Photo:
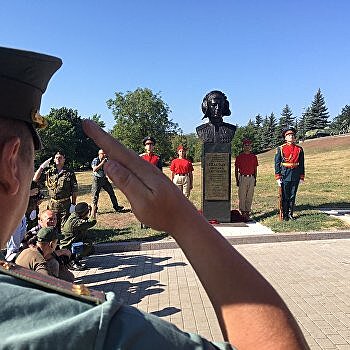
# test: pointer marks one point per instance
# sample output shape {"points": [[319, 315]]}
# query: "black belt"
{"points": [[247, 175], [182, 174]]}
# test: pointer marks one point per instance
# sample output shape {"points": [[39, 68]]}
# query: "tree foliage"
{"points": [[65, 133], [341, 123], [141, 113], [318, 113]]}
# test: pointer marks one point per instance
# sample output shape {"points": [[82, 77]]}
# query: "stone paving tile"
{"points": [[312, 277]]}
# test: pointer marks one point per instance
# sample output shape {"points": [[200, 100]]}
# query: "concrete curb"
{"points": [[170, 243]]}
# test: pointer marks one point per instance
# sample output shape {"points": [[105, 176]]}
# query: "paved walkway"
{"points": [[313, 277]]}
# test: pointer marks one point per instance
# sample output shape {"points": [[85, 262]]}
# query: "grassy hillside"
{"points": [[327, 184]]}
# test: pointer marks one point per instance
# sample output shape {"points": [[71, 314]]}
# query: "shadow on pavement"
{"points": [[115, 273], [167, 311]]}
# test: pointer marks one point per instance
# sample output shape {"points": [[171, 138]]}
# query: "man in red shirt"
{"points": [[181, 172], [246, 166], [149, 155]]}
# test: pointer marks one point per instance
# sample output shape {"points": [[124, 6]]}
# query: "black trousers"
{"points": [[102, 182]]}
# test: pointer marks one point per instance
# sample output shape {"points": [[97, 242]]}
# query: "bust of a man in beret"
{"points": [[215, 106]]}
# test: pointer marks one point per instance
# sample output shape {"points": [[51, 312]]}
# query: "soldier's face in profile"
{"points": [[215, 105]]}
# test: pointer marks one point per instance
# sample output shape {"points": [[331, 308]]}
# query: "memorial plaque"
{"points": [[217, 176]]}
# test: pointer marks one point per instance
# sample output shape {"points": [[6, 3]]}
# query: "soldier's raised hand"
{"points": [[46, 163]]}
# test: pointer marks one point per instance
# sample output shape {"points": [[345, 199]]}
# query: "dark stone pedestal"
{"points": [[216, 181]]}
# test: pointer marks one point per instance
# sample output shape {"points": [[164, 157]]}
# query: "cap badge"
{"points": [[39, 121]]}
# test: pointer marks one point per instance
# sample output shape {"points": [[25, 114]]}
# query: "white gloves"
{"points": [[72, 207], [279, 182], [46, 163], [301, 182]]}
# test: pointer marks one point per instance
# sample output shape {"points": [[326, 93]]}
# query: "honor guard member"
{"points": [[100, 181], [149, 156], [62, 186], [181, 172], [289, 171], [43, 312], [246, 169]]}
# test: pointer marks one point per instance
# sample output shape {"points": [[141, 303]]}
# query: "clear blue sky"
{"points": [[262, 54]]}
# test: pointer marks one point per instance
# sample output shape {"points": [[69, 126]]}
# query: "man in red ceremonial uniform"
{"points": [[246, 168], [181, 172], [289, 171], [149, 155]]}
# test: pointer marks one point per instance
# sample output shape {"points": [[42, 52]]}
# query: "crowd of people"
{"points": [[42, 313]]}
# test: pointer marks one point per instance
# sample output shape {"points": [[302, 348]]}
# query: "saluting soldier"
{"points": [[289, 171], [62, 185]]}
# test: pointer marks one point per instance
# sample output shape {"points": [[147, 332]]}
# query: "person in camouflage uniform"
{"points": [[62, 186]]}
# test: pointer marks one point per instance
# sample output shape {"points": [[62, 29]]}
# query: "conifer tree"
{"points": [[341, 123], [285, 121], [319, 111]]}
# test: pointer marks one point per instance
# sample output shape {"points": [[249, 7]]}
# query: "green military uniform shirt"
{"points": [[61, 184], [75, 230]]}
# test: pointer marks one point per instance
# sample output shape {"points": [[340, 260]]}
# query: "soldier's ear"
{"points": [[9, 166]]}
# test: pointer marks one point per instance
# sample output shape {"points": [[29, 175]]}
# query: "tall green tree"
{"points": [[286, 120], [245, 132], [259, 136], [341, 123], [65, 133], [98, 120], [141, 113], [269, 139], [319, 112], [301, 130]]}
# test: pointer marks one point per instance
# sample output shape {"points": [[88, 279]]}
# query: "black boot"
{"points": [[118, 208], [285, 211], [291, 211], [75, 264]]}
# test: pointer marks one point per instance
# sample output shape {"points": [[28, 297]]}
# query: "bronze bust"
{"points": [[215, 106]]}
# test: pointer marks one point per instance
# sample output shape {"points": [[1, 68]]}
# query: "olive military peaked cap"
{"points": [[149, 138], [47, 234], [288, 130], [24, 76]]}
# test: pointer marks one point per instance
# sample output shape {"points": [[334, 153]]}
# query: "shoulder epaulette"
{"points": [[53, 284]]}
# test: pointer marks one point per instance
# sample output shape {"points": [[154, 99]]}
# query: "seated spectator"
{"points": [[41, 256], [32, 212], [13, 246], [75, 230], [46, 219]]}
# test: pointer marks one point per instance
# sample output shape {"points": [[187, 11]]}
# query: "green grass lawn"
{"points": [[326, 185]]}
